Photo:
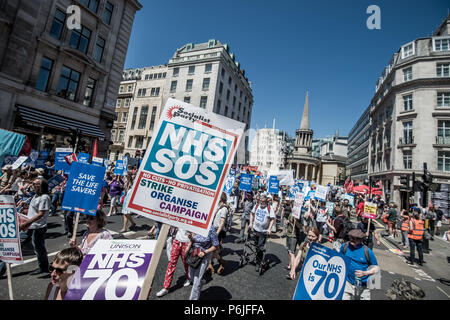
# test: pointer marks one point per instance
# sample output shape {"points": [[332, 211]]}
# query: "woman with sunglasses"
{"points": [[312, 235], [93, 233], [62, 268]]}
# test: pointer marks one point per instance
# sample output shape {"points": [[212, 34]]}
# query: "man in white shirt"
{"points": [[262, 219]]}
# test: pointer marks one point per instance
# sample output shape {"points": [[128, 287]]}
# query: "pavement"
{"points": [[241, 283]]}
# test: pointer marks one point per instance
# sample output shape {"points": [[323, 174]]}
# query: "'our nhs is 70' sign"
{"points": [[183, 171]]}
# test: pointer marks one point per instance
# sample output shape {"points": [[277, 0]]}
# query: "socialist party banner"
{"points": [[83, 188], [10, 250], [274, 185], [183, 171], [370, 210], [60, 161], [323, 274], [246, 182], [112, 270]]}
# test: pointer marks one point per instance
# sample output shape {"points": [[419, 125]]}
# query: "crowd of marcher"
{"points": [[341, 225]]}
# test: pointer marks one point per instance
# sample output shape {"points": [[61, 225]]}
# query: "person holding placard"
{"points": [[93, 233], [115, 190], [294, 235], [36, 224], [368, 240], [7, 179], [312, 235]]}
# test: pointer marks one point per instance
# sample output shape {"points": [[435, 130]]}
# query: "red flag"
{"points": [[26, 148], [346, 182], [94, 152], [71, 158], [350, 187], [379, 184]]}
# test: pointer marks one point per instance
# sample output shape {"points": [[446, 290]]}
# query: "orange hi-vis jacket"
{"points": [[405, 225], [418, 230]]}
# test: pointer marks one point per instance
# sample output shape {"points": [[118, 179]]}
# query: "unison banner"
{"points": [[112, 270], [183, 171]]}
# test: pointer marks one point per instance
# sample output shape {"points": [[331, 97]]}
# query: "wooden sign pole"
{"points": [[75, 226], [8, 271], [148, 280]]}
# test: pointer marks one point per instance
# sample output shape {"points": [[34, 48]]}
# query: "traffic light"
{"points": [[404, 181]]}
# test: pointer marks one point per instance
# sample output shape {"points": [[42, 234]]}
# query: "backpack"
{"points": [[229, 211], [347, 225], [366, 252]]}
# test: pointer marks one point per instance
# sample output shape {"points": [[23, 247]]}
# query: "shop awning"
{"points": [[58, 122]]}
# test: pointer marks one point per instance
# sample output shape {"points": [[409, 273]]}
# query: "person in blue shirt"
{"points": [[363, 264]]}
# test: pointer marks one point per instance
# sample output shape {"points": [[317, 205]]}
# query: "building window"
{"points": [[234, 101], [443, 99], [442, 69], [229, 81], [121, 89], [208, 67], [191, 70], [130, 88], [147, 76], [408, 102], [139, 142], [91, 4], [164, 75], [68, 83], [441, 44], [407, 132], [232, 115], [173, 86], [130, 141], [155, 92], [218, 106], [113, 135], [176, 72], [152, 120], [44, 74], [203, 101], [133, 120], [205, 85], [58, 24], [107, 13], [127, 102], [120, 138], [88, 95], [159, 75], [80, 39], [407, 74], [235, 87], [443, 132], [189, 85], [99, 48], [228, 95], [239, 109], [143, 117], [226, 111], [408, 50], [118, 103], [118, 116], [124, 116], [187, 99], [142, 92], [220, 87], [151, 76], [443, 160], [222, 74]]}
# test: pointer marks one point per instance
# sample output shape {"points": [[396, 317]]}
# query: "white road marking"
{"points": [[443, 292]]}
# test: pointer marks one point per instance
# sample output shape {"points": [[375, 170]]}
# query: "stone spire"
{"points": [[305, 118]]}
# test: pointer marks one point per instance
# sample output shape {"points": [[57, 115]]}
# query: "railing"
{"points": [[406, 140], [442, 140]]}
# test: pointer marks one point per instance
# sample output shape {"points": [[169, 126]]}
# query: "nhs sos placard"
{"points": [[184, 168], [323, 275]]}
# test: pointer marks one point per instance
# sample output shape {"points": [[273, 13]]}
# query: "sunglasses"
{"points": [[58, 270]]}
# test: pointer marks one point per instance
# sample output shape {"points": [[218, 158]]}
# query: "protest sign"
{"points": [[246, 182], [183, 171], [255, 183], [54, 181], [60, 161], [323, 274], [229, 183], [330, 207], [83, 188], [19, 162], [274, 185], [125, 165], [298, 204], [9, 160], [112, 270], [285, 177], [294, 191], [370, 210], [118, 169], [97, 161], [321, 193], [10, 250], [83, 157], [351, 199], [311, 194]]}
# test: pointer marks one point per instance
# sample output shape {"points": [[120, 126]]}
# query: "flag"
{"points": [[349, 187], [94, 152], [346, 183], [71, 158], [379, 184]]}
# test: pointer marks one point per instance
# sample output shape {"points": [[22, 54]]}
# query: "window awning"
{"points": [[58, 122]]}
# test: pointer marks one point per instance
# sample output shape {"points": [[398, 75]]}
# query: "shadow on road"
{"points": [[215, 293]]}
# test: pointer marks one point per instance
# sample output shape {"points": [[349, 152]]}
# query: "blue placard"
{"points": [[83, 157], [83, 188], [228, 185], [274, 185], [323, 275], [311, 194], [246, 182], [54, 181], [60, 162], [118, 169]]}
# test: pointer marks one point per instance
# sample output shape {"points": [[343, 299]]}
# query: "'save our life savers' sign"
{"points": [[183, 170]]}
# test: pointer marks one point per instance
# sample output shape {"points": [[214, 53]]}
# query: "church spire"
{"points": [[305, 118]]}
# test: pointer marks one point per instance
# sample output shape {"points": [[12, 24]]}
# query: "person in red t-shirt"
{"points": [[359, 209]]}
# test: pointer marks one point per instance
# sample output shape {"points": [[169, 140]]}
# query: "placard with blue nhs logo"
{"points": [[323, 275], [193, 156]]}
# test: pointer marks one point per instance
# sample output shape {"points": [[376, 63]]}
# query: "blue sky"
{"points": [[290, 47]]}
